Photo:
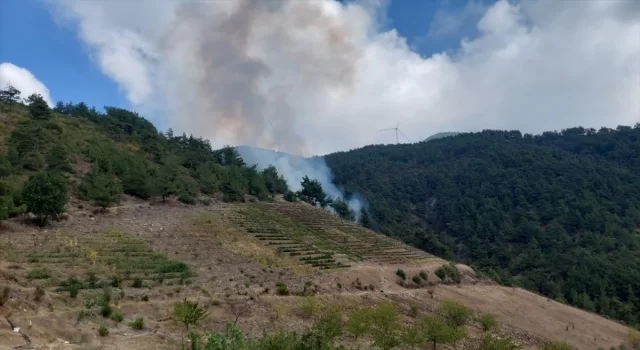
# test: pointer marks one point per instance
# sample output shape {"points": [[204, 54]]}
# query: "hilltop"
{"points": [[557, 213], [153, 220]]}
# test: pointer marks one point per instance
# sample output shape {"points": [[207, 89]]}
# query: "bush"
{"points": [[73, 290], [103, 331], [116, 281], [145, 298], [138, 323], [290, 196], [454, 313], [281, 288], [441, 273], [400, 273], [309, 306], [329, 324], [4, 295], [487, 321], [102, 188], [385, 326], [38, 294], [416, 279], [449, 270], [423, 275], [105, 310], [359, 322], [187, 198], [116, 316], [137, 283], [45, 195], [189, 313], [39, 273], [489, 342]]}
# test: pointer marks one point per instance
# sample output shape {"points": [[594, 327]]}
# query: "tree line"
{"points": [[556, 213], [124, 154]]}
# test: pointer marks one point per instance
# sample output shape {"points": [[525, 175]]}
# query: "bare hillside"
{"points": [[229, 257]]}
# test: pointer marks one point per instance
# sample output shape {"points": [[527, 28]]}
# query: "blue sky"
{"points": [[57, 57]]}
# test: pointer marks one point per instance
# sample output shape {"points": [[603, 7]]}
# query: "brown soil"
{"points": [[235, 275]]}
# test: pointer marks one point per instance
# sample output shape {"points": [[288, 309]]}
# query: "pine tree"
{"points": [[45, 194]]}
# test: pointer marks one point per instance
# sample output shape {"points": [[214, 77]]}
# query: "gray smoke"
{"points": [[294, 168], [225, 85]]}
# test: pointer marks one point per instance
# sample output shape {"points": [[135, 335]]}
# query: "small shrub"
{"points": [[359, 322], [4, 296], [309, 307], [487, 321], [73, 290], [281, 288], [38, 294], [186, 198], [489, 342], [441, 273], [416, 279], [92, 280], [423, 275], [339, 285], [400, 273], [206, 202], [137, 283], [413, 311], [103, 331], [39, 273], [215, 302], [106, 310], [189, 313], [138, 323], [454, 313], [116, 281], [116, 316], [145, 298]]}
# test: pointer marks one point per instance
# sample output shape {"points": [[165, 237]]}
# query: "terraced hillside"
{"points": [[234, 259], [319, 239]]}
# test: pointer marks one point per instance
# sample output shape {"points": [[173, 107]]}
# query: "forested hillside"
{"points": [[557, 213], [100, 156]]}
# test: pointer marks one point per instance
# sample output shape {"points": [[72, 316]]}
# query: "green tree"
{"points": [[342, 209], [329, 324], [45, 194], [313, 193], [100, 187], [10, 94], [38, 107], [359, 322], [385, 326], [58, 159], [439, 331], [454, 313]]}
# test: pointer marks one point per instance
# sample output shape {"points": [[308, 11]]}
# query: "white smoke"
{"points": [[318, 76], [294, 168]]}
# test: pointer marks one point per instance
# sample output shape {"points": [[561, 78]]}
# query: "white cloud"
{"points": [[23, 80], [318, 76]]}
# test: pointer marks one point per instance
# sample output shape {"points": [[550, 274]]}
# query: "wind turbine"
{"points": [[397, 129]]}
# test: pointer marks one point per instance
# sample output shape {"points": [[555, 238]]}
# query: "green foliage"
{"points": [[58, 159], [290, 196], [454, 313], [38, 107], [385, 326], [100, 187], [400, 273], [45, 194], [359, 322], [105, 309], [117, 317], [491, 342], [328, 326], [516, 205], [416, 279], [487, 321], [309, 306], [189, 313], [423, 275], [187, 198], [39, 273], [137, 323], [449, 270], [342, 209], [313, 193], [4, 295], [281, 288], [103, 331], [9, 94]]}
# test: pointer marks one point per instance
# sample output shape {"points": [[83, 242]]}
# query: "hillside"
{"points": [[556, 213], [116, 236]]}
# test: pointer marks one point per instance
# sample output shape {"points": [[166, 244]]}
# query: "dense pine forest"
{"points": [[557, 213], [47, 153]]}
